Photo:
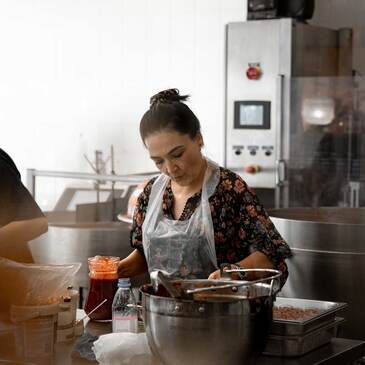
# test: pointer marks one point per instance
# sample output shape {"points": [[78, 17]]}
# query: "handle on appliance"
{"points": [[354, 194], [280, 175]]}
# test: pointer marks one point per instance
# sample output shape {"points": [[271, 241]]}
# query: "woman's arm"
{"points": [[23, 231], [133, 265], [255, 242], [256, 260]]}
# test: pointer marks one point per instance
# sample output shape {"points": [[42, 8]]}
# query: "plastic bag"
{"points": [[33, 284], [124, 349], [83, 347]]}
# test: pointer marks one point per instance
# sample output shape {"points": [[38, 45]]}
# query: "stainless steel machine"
{"points": [[289, 104]]}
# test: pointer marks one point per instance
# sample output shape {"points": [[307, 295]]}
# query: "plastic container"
{"points": [[75, 296], [65, 322], [35, 332], [125, 312], [103, 285]]}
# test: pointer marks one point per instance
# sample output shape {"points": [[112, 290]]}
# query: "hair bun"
{"points": [[167, 97]]}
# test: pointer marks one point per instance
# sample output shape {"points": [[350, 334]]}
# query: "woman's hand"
{"points": [[133, 265], [215, 275]]}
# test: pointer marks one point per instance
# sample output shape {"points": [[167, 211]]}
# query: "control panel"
{"points": [[252, 101], [251, 148]]}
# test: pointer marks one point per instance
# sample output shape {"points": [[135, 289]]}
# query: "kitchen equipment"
{"points": [[327, 312], [301, 325], [269, 9], [159, 277], [103, 285], [228, 325], [262, 9], [298, 345], [328, 260], [274, 69], [298, 9], [224, 289]]}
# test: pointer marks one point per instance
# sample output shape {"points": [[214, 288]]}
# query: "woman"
{"points": [[196, 215]]}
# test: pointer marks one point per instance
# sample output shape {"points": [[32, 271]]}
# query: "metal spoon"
{"points": [[158, 277]]}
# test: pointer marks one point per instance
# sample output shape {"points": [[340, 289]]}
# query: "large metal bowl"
{"points": [[229, 330]]}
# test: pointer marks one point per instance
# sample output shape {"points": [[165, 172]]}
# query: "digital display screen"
{"points": [[251, 115]]}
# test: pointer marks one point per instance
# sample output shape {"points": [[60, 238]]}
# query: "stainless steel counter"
{"points": [[339, 351], [328, 260]]}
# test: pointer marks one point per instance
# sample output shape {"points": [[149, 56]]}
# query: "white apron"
{"points": [[181, 249]]}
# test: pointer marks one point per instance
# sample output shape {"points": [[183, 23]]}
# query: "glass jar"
{"points": [[103, 272]]}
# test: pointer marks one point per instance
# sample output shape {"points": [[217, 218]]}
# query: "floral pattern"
{"points": [[241, 224]]}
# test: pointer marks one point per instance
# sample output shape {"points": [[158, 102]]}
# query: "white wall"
{"points": [[76, 75]]}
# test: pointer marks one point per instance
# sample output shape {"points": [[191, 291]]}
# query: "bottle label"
{"points": [[125, 324], [124, 318]]}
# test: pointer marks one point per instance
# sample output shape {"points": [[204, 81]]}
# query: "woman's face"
{"points": [[176, 155]]}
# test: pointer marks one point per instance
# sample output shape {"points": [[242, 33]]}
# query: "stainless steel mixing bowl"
{"points": [[219, 328]]}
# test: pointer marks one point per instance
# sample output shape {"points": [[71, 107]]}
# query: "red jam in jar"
{"points": [[103, 285]]}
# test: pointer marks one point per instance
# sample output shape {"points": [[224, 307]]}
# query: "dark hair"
{"points": [[168, 112]]}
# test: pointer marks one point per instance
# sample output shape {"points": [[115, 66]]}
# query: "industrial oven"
{"points": [[290, 120]]}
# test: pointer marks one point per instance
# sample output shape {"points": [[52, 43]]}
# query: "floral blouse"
{"points": [[241, 224]]}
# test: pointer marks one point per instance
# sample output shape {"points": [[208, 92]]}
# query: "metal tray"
{"points": [[300, 327], [299, 345]]}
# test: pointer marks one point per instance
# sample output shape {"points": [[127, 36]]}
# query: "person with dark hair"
{"points": [[21, 220], [195, 216]]}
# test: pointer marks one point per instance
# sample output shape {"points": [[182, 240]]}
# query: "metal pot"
{"points": [[228, 327]]}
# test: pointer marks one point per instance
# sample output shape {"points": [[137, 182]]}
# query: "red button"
{"points": [[252, 169], [253, 73]]}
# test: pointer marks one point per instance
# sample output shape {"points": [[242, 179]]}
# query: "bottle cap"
{"points": [[124, 283]]}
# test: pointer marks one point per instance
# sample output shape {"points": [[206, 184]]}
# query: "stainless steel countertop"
{"points": [[339, 351]]}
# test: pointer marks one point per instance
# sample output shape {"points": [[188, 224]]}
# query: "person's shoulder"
{"points": [[229, 179], [7, 164], [234, 188]]}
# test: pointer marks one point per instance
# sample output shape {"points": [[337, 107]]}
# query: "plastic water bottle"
{"points": [[124, 309]]}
